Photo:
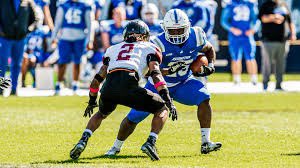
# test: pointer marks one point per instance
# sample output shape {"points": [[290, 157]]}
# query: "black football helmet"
{"points": [[136, 30]]}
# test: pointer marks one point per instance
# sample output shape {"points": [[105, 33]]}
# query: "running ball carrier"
{"points": [[127, 62]]}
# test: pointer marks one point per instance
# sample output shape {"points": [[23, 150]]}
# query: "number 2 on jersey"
{"points": [[123, 53]]}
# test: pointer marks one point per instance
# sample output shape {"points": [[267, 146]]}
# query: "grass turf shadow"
{"points": [[291, 154]]}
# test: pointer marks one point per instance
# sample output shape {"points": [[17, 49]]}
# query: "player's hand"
{"points": [[235, 31], [53, 44], [176, 67], [207, 70], [172, 109], [4, 83], [250, 32], [89, 110], [89, 46]]}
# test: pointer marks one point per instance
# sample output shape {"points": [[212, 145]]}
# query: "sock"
{"points": [[118, 144], [87, 133], [237, 78], [254, 78], [75, 83], [205, 135], [153, 134]]}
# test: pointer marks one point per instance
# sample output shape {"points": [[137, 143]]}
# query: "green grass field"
{"points": [[257, 130]]}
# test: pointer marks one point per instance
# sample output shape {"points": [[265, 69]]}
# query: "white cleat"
{"points": [[210, 146], [113, 151]]}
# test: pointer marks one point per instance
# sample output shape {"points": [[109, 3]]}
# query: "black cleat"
{"points": [[77, 150], [210, 146], [150, 150]]}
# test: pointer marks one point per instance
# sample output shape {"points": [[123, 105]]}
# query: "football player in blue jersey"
{"points": [[72, 18], [196, 11], [150, 17], [239, 18], [133, 8], [112, 30], [43, 7], [35, 51], [180, 45]]}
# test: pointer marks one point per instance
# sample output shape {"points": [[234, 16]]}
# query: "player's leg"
{"points": [[280, 58], [128, 125], [24, 68], [17, 57], [78, 49], [198, 95], [5, 51], [249, 48], [267, 56], [105, 108], [236, 64], [65, 51]]}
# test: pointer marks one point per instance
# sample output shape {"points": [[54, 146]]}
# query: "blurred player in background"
{"points": [[239, 18], [180, 45], [43, 7], [35, 51], [112, 30], [149, 15], [133, 8], [126, 63], [196, 11], [98, 6], [72, 18]]}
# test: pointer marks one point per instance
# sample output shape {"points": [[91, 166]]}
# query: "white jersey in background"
{"points": [[132, 56]]}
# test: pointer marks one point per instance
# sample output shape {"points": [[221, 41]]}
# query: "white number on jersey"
{"points": [[241, 13], [183, 71], [73, 16]]}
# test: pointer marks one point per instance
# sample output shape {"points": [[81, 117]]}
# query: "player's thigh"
{"points": [[106, 106], [65, 52], [249, 48], [137, 116], [144, 100], [234, 49], [78, 50], [192, 92]]}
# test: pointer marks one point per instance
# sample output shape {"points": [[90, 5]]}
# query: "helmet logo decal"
{"points": [[176, 17]]}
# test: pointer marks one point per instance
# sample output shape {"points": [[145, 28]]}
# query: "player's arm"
{"points": [[160, 84], [89, 17], [94, 87], [48, 18], [58, 23], [172, 69], [210, 53]]}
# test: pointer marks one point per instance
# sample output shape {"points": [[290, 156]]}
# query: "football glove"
{"points": [[176, 67], [172, 108], [4, 83], [207, 70], [89, 110]]}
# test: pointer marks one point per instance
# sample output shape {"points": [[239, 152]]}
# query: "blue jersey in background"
{"points": [[155, 28], [115, 33], [74, 14]]}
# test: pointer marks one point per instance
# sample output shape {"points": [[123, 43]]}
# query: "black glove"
{"points": [[207, 70], [176, 67], [89, 110], [164, 93], [172, 108], [4, 83]]}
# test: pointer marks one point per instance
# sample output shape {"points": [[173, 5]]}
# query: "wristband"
{"points": [[158, 84], [93, 90], [211, 64]]}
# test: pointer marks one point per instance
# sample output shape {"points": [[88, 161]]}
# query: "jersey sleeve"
{"points": [[156, 51], [200, 36]]}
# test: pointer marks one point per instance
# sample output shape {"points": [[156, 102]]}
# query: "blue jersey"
{"points": [[187, 53], [115, 33], [195, 11], [155, 28], [74, 14], [35, 40], [42, 3], [241, 14], [133, 9]]}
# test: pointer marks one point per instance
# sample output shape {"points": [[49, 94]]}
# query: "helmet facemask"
{"points": [[177, 35]]}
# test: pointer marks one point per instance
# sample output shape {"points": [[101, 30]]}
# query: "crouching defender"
{"points": [[126, 63], [180, 45]]}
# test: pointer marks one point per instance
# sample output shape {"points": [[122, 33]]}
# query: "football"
{"points": [[196, 65]]}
